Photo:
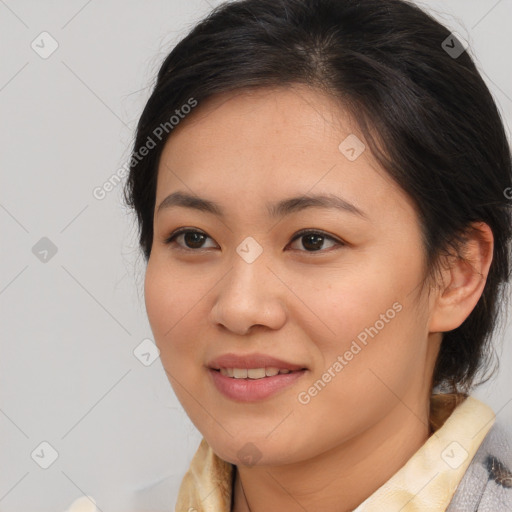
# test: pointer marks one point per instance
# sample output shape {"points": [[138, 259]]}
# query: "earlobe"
{"points": [[463, 280]]}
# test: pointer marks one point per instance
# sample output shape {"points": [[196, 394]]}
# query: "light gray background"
{"points": [[70, 325]]}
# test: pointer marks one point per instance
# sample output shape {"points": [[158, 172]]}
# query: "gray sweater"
{"points": [[487, 483]]}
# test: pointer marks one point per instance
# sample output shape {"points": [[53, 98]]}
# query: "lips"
{"points": [[249, 390], [252, 361]]}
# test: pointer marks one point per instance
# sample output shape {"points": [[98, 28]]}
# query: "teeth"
{"points": [[240, 373], [252, 373], [256, 373]]}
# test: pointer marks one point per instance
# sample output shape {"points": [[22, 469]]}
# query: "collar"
{"points": [[427, 481]]}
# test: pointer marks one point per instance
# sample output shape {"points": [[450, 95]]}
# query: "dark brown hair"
{"points": [[425, 112]]}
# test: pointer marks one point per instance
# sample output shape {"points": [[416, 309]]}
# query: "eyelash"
{"points": [[304, 232]]}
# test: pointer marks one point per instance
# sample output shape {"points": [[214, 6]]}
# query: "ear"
{"points": [[463, 280]]}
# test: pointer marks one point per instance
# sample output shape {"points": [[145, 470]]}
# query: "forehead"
{"points": [[273, 143], [262, 115]]}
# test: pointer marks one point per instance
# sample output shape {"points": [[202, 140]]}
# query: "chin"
{"points": [[253, 451]]}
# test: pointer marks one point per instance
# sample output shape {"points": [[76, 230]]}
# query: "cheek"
{"points": [[158, 300], [368, 313], [172, 304], [342, 303], [170, 301]]}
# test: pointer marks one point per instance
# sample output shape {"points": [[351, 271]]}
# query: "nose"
{"points": [[249, 295]]}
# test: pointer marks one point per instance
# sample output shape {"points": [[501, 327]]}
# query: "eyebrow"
{"points": [[274, 210]]}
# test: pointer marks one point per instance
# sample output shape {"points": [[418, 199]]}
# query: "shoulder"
{"points": [[487, 483]]}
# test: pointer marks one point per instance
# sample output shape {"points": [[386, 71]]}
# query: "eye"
{"points": [[193, 239], [314, 239]]}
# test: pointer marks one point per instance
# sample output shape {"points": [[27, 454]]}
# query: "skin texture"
{"points": [[245, 149]]}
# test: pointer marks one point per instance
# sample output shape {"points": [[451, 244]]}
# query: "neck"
{"points": [[341, 478]]}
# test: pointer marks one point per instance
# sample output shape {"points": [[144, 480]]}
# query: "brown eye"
{"points": [[192, 239], [313, 241]]}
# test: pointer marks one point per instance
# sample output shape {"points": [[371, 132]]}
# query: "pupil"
{"points": [[188, 240], [317, 239]]}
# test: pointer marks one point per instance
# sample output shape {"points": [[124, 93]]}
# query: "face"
{"points": [[343, 301]]}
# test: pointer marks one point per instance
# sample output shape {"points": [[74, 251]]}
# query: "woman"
{"points": [[321, 190]]}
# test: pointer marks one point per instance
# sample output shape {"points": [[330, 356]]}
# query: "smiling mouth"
{"points": [[254, 373], [253, 384]]}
